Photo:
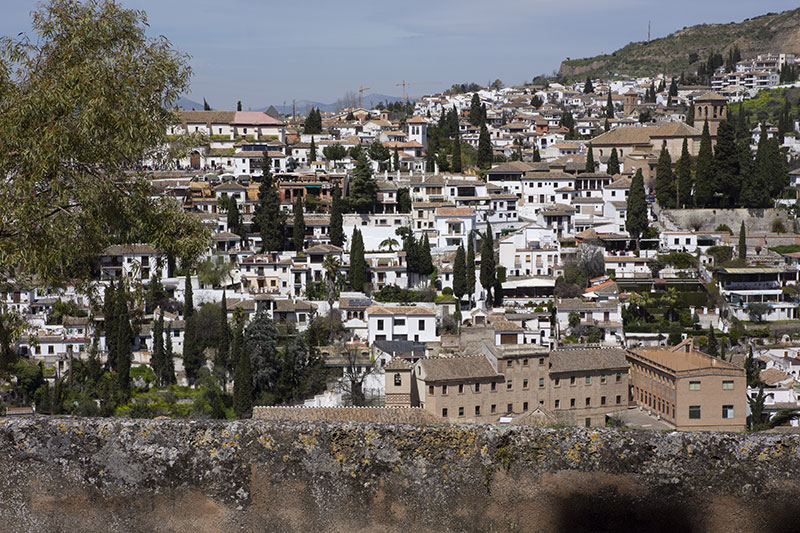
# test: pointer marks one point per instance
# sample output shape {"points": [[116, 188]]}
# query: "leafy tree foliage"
{"points": [[313, 124], [261, 345], [363, 188], [334, 152]]}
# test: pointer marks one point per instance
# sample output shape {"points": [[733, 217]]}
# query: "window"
{"points": [[588, 422], [477, 387], [524, 362], [727, 411], [619, 378], [461, 388], [494, 408], [572, 380], [572, 402], [524, 406], [727, 385], [541, 360], [430, 389], [399, 321], [557, 404], [694, 385], [541, 382], [494, 386], [602, 400], [557, 382], [508, 364], [444, 412], [380, 324], [694, 411], [477, 410], [588, 380], [444, 389], [619, 399], [460, 411], [602, 379], [422, 325], [510, 408], [525, 384], [509, 385], [588, 402], [397, 380]]}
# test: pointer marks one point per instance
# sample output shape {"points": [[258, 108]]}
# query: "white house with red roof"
{"points": [[453, 226]]}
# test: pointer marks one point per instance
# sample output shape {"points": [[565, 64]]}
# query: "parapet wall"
{"points": [[167, 475]]}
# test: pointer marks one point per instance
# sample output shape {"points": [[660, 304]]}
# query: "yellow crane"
{"points": [[405, 84], [361, 96]]}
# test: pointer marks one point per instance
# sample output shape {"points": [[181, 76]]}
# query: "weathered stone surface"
{"points": [[168, 475]]}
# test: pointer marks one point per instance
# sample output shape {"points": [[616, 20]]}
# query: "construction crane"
{"points": [[405, 84], [361, 96]]}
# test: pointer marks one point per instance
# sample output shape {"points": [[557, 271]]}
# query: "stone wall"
{"points": [[755, 220], [167, 475]]}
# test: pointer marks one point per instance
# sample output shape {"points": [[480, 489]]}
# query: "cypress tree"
{"points": [[191, 353], [158, 360], [683, 170], [636, 212], [537, 157], [268, 216], [726, 163], [590, 167], [484, 149], [234, 218], [430, 160], [110, 323], [299, 227], [690, 115], [242, 377], [613, 163], [665, 186], [757, 184], [222, 362], [312, 151], [424, 258], [239, 105], [704, 173], [742, 242], [336, 233], [470, 266], [488, 265], [396, 160], [358, 265], [206, 107], [587, 86], [609, 108], [475, 111], [713, 347], [123, 355], [169, 357], [673, 88], [460, 273], [456, 164], [363, 188]]}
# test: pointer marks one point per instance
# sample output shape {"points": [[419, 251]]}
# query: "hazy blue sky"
{"points": [[267, 52]]}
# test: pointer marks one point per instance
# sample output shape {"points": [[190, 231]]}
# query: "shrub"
{"points": [[447, 290], [721, 254], [724, 227], [777, 226]]}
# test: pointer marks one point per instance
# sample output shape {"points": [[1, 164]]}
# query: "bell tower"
{"points": [[710, 107]]}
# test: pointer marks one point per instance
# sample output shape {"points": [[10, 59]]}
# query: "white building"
{"points": [[411, 323]]}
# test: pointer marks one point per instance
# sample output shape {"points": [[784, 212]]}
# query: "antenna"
{"points": [[648, 32]]}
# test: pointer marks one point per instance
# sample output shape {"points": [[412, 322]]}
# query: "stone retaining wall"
{"points": [[170, 475]]}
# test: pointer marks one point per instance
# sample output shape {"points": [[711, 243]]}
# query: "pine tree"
{"points": [[363, 187], [726, 163], [460, 273], [268, 216], [456, 164], [636, 212], [683, 171], [742, 242], [242, 378], [665, 186], [299, 227], [704, 172], [336, 233], [222, 362], [470, 266], [609, 108], [158, 360], [488, 265], [613, 163], [484, 149], [590, 167], [358, 265], [587, 86]]}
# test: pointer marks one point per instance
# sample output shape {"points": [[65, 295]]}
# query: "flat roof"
{"points": [[681, 360]]}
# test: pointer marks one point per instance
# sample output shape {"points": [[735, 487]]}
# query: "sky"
{"points": [[266, 52]]}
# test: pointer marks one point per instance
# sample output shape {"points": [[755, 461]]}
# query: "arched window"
{"points": [[397, 380]]}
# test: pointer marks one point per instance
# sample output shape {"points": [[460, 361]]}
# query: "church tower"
{"points": [[711, 107]]}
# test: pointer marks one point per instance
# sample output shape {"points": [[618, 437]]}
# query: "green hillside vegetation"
{"points": [[686, 49], [767, 105]]}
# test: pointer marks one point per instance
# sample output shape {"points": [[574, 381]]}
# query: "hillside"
{"points": [[773, 32]]}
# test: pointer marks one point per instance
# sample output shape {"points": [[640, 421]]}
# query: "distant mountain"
{"points": [[187, 105], [302, 106], [773, 32]]}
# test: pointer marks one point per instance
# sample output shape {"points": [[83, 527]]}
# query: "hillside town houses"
{"points": [[563, 329]]}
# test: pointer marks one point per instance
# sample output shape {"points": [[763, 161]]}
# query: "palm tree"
{"points": [[389, 243], [331, 264], [670, 301], [214, 270]]}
